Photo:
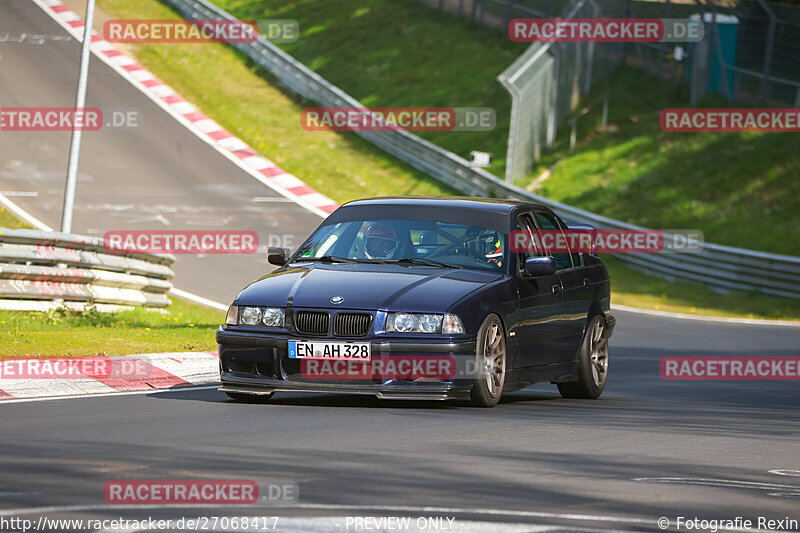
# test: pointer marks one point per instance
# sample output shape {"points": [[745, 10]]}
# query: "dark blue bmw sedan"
{"points": [[422, 298]]}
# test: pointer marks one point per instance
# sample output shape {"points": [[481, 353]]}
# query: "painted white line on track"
{"points": [[785, 472], [24, 215], [29, 194], [184, 295], [783, 491], [701, 318], [106, 395], [716, 482]]}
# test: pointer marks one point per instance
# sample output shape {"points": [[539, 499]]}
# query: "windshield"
{"points": [[408, 241]]}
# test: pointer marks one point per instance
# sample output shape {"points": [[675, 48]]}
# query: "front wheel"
{"points": [[592, 364], [490, 358]]}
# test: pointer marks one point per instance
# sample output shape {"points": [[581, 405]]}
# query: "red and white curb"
{"points": [[233, 148], [153, 372]]}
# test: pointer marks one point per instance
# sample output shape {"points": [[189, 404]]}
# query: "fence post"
{"points": [[662, 48], [587, 82], [508, 13], [604, 120], [766, 82], [553, 100], [573, 135]]}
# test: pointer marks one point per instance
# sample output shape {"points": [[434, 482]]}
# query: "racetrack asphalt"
{"points": [[648, 448]]}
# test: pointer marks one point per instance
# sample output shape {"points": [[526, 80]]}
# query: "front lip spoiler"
{"points": [[380, 345], [429, 391]]}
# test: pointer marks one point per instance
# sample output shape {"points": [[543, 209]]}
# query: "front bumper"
{"points": [[258, 363]]}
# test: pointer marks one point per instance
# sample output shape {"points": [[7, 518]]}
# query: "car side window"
{"points": [[548, 222], [525, 224]]}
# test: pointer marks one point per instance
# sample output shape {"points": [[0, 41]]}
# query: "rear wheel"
{"points": [[490, 373], [592, 364], [249, 398]]}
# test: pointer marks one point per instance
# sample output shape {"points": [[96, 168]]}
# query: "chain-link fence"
{"points": [[750, 54], [548, 79], [546, 83]]}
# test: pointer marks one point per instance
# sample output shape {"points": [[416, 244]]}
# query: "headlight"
{"points": [[251, 316], [430, 323], [423, 323], [403, 322], [273, 317], [233, 316]]}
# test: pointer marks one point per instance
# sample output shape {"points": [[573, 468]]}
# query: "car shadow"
{"points": [[352, 400]]}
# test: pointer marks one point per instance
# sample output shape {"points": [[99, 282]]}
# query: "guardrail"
{"points": [[720, 267], [39, 270]]}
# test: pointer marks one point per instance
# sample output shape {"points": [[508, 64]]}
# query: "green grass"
{"points": [[225, 86], [401, 53], [740, 189], [632, 288], [182, 327], [7, 220]]}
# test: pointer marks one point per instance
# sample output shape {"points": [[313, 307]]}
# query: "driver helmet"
{"points": [[380, 241], [484, 242]]}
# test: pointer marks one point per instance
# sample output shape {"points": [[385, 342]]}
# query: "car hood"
{"points": [[365, 286]]}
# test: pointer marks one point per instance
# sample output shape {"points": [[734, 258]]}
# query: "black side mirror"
{"points": [[540, 266], [277, 256]]}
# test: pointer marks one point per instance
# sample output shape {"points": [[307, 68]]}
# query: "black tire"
{"points": [[487, 387], [592, 363], [249, 398]]}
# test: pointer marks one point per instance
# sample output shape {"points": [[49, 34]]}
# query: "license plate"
{"points": [[351, 351]]}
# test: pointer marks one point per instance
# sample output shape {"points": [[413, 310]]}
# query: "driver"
{"points": [[484, 243], [381, 242]]}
